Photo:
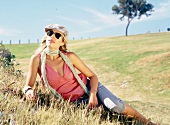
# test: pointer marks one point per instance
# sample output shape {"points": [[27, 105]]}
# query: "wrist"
{"points": [[93, 91], [26, 89]]}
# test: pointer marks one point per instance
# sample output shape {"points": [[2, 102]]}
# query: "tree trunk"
{"points": [[127, 27]]}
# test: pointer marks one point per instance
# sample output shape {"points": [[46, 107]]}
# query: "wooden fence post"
{"points": [[37, 40], [28, 41]]}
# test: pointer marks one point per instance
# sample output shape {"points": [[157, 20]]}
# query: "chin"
{"points": [[52, 47]]}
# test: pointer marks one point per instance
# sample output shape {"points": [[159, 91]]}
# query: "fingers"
{"points": [[92, 104], [31, 95], [93, 101]]}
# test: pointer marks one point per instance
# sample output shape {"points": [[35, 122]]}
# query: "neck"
{"points": [[52, 54], [52, 58]]}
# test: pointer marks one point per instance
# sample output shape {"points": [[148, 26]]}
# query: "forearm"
{"points": [[28, 88], [30, 80], [93, 84], [93, 101], [33, 70]]}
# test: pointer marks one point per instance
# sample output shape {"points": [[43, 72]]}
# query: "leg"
{"points": [[131, 112], [110, 101]]}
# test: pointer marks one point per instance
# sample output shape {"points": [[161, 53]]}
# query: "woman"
{"points": [[56, 66]]}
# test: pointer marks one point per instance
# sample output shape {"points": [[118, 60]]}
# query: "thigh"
{"points": [[105, 98], [109, 100]]}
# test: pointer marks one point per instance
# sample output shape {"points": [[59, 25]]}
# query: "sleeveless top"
{"points": [[67, 85]]}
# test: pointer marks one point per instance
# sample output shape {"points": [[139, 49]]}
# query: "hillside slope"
{"points": [[135, 68]]}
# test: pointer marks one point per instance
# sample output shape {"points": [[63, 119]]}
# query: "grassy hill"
{"points": [[135, 68]]}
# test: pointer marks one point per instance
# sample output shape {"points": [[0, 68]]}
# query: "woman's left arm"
{"points": [[78, 64]]}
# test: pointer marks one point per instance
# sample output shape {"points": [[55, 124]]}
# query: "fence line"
{"points": [[29, 41], [19, 42]]}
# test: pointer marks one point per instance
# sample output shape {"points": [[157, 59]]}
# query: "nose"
{"points": [[53, 35]]}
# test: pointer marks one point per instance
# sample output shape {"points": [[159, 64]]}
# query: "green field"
{"points": [[135, 68]]}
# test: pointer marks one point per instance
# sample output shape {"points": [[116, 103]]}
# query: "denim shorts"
{"points": [[105, 98]]}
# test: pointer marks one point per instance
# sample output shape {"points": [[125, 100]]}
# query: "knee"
{"points": [[130, 111], [118, 107]]}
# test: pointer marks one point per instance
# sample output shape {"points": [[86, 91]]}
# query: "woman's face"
{"points": [[54, 39]]}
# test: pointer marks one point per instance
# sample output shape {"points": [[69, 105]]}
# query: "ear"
{"points": [[63, 41]]}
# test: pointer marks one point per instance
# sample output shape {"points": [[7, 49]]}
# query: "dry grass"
{"points": [[157, 59], [15, 109], [135, 68]]}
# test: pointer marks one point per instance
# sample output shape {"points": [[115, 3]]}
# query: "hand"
{"points": [[30, 94], [93, 101]]}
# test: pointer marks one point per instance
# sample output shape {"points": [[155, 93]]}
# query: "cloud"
{"points": [[105, 18], [93, 21], [98, 21], [80, 22], [9, 32], [161, 12], [95, 29]]}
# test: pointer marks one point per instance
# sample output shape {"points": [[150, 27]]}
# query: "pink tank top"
{"points": [[67, 84]]}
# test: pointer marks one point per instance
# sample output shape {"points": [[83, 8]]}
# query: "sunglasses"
{"points": [[50, 33]]}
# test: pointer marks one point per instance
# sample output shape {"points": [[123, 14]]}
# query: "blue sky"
{"points": [[26, 19]]}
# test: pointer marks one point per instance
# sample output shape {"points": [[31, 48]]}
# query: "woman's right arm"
{"points": [[31, 77]]}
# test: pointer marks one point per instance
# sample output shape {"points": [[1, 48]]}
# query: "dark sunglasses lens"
{"points": [[57, 35], [50, 33]]}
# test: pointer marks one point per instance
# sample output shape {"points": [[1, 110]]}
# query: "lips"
{"points": [[51, 41]]}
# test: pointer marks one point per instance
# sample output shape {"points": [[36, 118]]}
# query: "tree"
{"points": [[132, 9]]}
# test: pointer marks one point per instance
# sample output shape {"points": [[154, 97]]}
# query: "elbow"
{"points": [[94, 76]]}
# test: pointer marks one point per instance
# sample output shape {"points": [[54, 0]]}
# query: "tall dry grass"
{"points": [[16, 110]]}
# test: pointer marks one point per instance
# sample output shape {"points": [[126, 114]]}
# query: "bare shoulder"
{"points": [[35, 59], [72, 55], [74, 58]]}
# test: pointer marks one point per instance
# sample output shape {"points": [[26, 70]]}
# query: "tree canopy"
{"points": [[132, 9]]}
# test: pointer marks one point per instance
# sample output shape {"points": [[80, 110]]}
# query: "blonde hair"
{"points": [[42, 45]]}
